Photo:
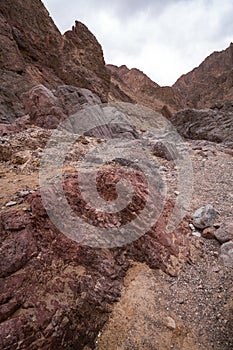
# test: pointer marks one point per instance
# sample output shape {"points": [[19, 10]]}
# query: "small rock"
{"points": [[170, 323], [208, 233], [192, 227], [83, 140], [224, 234], [11, 204], [204, 216], [176, 193], [24, 193], [196, 233]]}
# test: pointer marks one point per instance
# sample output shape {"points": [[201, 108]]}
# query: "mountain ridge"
{"points": [[35, 52]]}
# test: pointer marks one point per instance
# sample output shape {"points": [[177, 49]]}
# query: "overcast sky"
{"points": [[163, 38]]}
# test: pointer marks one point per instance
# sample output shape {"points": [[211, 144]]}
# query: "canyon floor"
{"points": [[156, 311]]}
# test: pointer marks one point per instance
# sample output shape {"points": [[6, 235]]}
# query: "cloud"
{"points": [[163, 38]]}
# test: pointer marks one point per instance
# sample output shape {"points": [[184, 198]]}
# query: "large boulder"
{"points": [[48, 108], [214, 124]]}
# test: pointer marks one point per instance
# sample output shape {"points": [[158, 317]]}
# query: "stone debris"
{"points": [[192, 227], [24, 193], [170, 323]]}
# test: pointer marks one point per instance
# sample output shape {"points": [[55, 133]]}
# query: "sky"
{"points": [[163, 38]]}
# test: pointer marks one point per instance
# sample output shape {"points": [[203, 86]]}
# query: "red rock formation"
{"points": [[56, 293], [209, 83]]}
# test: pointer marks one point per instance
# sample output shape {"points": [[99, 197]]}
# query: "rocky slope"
{"points": [[161, 291], [57, 293], [209, 83], [143, 90], [34, 52]]}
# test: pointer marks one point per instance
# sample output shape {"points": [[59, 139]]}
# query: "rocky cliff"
{"points": [[209, 83], [143, 90], [33, 52]]}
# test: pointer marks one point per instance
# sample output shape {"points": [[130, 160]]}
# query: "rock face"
{"points": [[209, 83], [56, 293], [141, 89], [34, 52], [215, 124]]}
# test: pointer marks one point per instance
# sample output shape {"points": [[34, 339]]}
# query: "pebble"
{"points": [[180, 301], [171, 324], [196, 233], [208, 233], [192, 227], [11, 204], [24, 193], [216, 269]]}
